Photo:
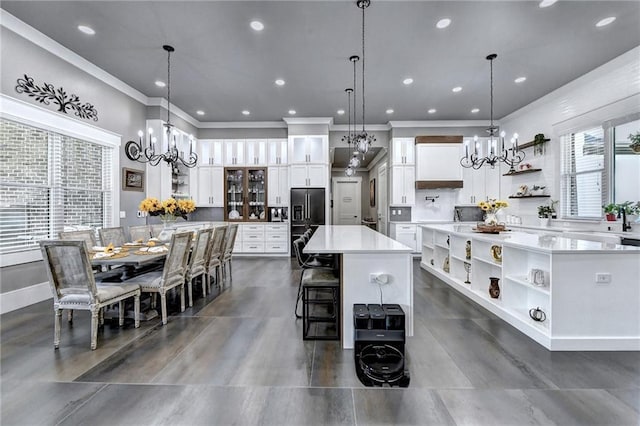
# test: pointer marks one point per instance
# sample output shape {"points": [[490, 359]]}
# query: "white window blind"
{"points": [[50, 182], [583, 176]]}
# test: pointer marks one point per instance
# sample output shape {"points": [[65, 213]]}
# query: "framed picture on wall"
{"points": [[372, 193], [132, 180]]}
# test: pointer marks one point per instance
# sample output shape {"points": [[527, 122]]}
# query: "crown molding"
{"points": [[162, 102], [308, 120], [440, 123], [242, 125]]}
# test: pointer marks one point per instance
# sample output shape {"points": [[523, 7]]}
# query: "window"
{"points": [[582, 173]]}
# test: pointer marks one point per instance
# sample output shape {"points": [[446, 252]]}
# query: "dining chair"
{"points": [[74, 287], [172, 275], [214, 254], [229, 241], [156, 230], [137, 233], [113, 236], [197, 262]]}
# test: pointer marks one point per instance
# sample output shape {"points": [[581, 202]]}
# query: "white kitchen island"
{"points": [[589, 291], [365, 254]]}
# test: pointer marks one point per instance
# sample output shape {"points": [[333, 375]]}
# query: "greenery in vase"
{"points": [[538, 144], [635, 141], [547, 211]]}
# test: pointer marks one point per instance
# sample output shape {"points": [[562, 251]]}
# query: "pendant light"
{"points": [[363, 140]]}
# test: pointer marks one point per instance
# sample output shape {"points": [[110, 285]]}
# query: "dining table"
{"points": [[132, 260]]}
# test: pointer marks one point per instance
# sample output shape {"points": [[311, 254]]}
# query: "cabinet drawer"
{"points": [[408, 228], [276, 227], [252, 228], [276, 236], [252, 247], [275, 247], [249, 236]]}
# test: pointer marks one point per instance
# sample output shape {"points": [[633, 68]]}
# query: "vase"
{"points": [[168, 229], [544, 221], [490, 219], [494, 287]]}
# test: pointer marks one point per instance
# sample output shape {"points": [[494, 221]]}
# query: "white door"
{"points": [[382, 199], [347, 206]]}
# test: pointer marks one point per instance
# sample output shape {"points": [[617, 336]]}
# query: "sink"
{"points": [[593, 236], [630, 241]]}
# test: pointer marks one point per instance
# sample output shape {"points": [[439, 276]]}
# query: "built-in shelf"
{"points": [[529, 196], [522, 172], [523, 282], [490, 262], [530, 144]]}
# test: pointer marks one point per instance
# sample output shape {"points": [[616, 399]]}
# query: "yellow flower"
{"points": [[484, 207], [150, 204], [186, 206], [169, 205]]}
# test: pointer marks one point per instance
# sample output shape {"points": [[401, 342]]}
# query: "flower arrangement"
{"points": [[492, 206], [168, 209]]}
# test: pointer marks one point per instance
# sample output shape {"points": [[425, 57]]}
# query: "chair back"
{"points": [[113, 236], [216, 244], [175, 265], [87, 236], [142, 232], [198, 258], [156, 229], [230, 239], [298, 245], [69, 269]]}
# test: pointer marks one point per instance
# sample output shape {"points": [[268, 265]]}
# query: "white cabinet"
{"points": [[309, 149], [479, 185], [234, 152], [262, 238], [405, 234], [278, 152], [276, 239], [210, 186], [311, 176], [210, 152], [403, 185], [403, 151], [438, 162], [256, 152], [278, 186]]}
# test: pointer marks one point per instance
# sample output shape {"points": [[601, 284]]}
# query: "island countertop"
{"points": [[538, 240], [352, 239]]}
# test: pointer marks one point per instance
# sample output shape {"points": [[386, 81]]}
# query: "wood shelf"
{"points": [[530, 144], [522, 172], [529, 196]]}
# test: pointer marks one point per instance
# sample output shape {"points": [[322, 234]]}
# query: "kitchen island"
{"points": [[588, 291], [364, 255]]}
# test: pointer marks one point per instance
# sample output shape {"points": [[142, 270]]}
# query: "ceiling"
{"points": [[221, 66]]}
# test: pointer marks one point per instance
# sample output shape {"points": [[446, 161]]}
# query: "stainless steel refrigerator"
{"points": [[307, 210]]}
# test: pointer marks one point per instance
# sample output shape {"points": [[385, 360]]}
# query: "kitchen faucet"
{"points": [[625, 227]]}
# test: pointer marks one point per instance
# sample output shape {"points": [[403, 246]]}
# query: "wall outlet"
{"points": [[379, 278], [603, 278]]}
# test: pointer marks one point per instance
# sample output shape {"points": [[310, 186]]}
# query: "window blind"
{"points": [[582, 173]]}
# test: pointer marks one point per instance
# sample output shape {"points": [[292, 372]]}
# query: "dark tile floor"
{"points": [[237, 357]]}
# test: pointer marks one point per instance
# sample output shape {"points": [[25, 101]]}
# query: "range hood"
{"points": [[438, 162]]}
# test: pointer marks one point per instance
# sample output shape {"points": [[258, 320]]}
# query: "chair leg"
{"points": [[136, 310], [121, 313], [95, 313], [163, 306], [299, 294], [153, 300], [182, 296], [70, 315], [101, 316], [57, 322], [205, 280], [230, 272], [190, 288]]}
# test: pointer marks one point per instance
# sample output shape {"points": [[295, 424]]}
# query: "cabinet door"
{"points": [[316, 150], [256, 152], [210, 152], [273, 185], [299, 150], [466, 195], [217, 186], [317, 176], [234, 152], [283, 197], [403, 151], [492, 182], [397, 187], [409, 185], [278, 150], [309, 149], [210, 187], [407, 238], [299, 176], [438, 161]]}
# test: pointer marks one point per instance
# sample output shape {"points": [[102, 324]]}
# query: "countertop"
{"points": [[537, 241], [352, 239]]}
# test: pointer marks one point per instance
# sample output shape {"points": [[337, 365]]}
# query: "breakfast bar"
{"points": [[373, 269]]}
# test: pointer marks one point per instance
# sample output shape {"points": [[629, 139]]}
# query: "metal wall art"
{"points": [[47, 93]]}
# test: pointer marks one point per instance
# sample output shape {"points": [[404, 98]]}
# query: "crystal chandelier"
{"points": [[495, 148], [363, 140], [146, 150]]}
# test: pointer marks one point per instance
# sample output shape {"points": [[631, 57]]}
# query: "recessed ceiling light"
{"points": [[200, 112], [443, 23], [86, 30], [340, 112], [407, 81], [546, 3], [605, 21], [432, 111], [389, 111], [292, 112], [257, 25], [245, 112], [280, 82], [520, 79], [475, 110], [456, 89], [160, 83]]}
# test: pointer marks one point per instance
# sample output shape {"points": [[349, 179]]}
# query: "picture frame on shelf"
{"points": [[132, 180]]}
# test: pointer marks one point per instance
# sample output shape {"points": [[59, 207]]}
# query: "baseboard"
{"points": [[16, 299]]}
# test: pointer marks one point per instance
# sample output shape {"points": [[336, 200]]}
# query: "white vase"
{"points": [[168, 229], [544, 221], [490, 219]]}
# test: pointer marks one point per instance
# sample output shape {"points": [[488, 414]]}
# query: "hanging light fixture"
{"points": [[363, 140], [144, 151], [495, 148], [354, 161]]}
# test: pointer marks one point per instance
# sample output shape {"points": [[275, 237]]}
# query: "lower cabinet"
{"points": [[405, 234], [262, 238]]}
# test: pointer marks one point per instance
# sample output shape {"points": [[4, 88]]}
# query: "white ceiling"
{"points": [[222, 66]]}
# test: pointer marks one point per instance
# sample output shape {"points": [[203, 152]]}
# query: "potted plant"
{"points": [[537, 190], [630, 209], [610, 211], [538, 144], [544, 213], [635, 142]]}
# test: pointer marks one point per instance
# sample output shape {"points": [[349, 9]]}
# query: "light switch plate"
{"points": [[123, 214], [603, 277]]}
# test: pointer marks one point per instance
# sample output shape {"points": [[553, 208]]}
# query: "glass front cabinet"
{"points": [[246, 194]]}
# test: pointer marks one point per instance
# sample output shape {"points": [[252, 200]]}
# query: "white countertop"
{"points": [[537, 241], [352, 239]]}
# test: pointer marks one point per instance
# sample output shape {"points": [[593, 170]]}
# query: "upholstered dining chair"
{"points": [[197, 262], [156, 229], [229, 241], [88, 236], [142, 232], [113, 236], [214, 253], [171, 276], [74, 287]]}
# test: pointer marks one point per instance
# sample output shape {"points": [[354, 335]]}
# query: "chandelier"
{"points": [[495, 148], [363, 140], [146, 150], [354, 161]]}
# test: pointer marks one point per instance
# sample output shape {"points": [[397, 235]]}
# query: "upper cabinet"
{"points": [[309, 149], [403, 192], [256, 152], [234, 152], [278, 152], [402, 151], [438, 162], [210, 152]]}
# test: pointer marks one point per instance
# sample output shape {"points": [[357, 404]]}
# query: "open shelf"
{"points": [[523, 282], [529, 196], [530, 144], [523, 315], [487, 261], [522, 172]]}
